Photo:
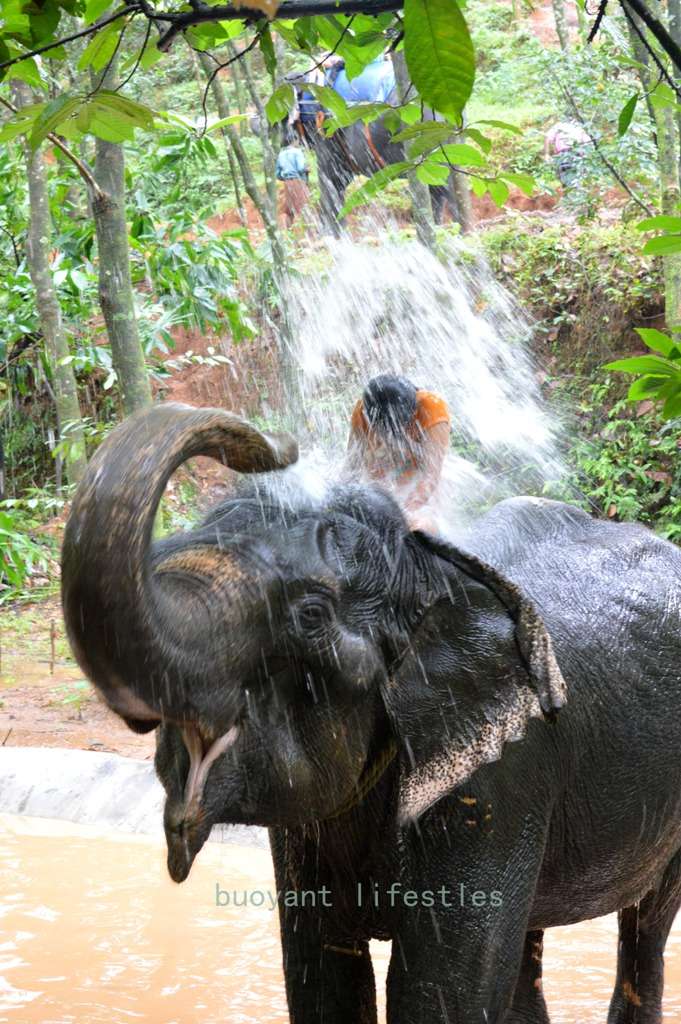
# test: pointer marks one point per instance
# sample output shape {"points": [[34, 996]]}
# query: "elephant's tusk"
{"points": [[200, 762]]}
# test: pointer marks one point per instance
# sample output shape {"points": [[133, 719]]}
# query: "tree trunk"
{"points": [[270, 135], [670, 196], [239, 96], [116, 295], [464, 203], [674, 9], [47, 304], [668, 158], [202, 61], [259, 199], [560, 18], [420, 196], [262, 202]]}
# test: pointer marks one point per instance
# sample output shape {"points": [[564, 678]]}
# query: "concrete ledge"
{"points": [[94, 788]]}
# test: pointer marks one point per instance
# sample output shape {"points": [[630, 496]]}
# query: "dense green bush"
{"points": [[587, 287]]}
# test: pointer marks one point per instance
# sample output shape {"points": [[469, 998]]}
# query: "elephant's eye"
{"points": [[313, 614]]}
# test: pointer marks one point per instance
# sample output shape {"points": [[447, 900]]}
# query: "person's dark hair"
{"points": [[389, 403]]}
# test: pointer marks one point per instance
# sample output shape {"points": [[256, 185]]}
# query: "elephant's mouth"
{"points": [[202, 753], [187, 826]]}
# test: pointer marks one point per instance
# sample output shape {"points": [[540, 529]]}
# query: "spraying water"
{"points": [[447, 326]]}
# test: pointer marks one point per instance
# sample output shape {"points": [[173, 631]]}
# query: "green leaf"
{"points": [[267, 50], [336, 34], [663, 96], [626, 114], [662, 222], [280, 102], [656, 340], [101, 47], [463, 155], [329, 99], [411, 113], [151, 56], [357, 112], [427, 144], [504, 126], [435, 129], [644, 364], [374, 185], [135, 113], [392, 121], [482, 140], [430, 172], [672, 407], [110, 129], [478, 185], [225, 121], [663, 245], [645, 387], [27, 70], [525, 182], [498, 190], [56, 112], [439, 54], [4, 55], [22, 123], [95, 9], [357, 57], [16, 21]]}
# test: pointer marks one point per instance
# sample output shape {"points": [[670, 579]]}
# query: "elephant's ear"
{"points": [[478, 666]]}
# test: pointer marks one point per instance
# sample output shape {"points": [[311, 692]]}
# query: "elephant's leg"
{"points": [[329, 976], [643, 931], [328, 981], [458, 963], [333, 181], [529, 1005]]}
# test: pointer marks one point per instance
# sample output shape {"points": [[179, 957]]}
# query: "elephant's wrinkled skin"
{"points": [[280, 651]]}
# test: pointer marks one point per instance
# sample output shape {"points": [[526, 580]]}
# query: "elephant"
{"points": [[458, 746], [365, 149], [361, 149]]}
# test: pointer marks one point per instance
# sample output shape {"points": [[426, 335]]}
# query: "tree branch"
{"points": [[201, 13], [657, 28], [133, 8]]}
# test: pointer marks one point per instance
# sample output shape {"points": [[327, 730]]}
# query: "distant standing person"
{"points": [[293, 171], [565, 143]]}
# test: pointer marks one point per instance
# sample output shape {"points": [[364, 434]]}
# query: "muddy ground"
{"points": [[45, 700]]}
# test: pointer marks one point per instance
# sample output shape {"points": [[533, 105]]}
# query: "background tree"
{"points": [[47, 304], [116, 296]]}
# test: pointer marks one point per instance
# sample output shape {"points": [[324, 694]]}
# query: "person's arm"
{"points": [[434, 446]]}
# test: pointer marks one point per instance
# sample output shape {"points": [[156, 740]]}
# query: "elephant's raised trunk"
{"points": [[127, 631]]}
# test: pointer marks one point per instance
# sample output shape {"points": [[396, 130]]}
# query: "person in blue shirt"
{"points": [[375, 84], [293, 171]]}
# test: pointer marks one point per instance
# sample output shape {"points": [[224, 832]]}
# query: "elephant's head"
{"points": [[279, 650]]}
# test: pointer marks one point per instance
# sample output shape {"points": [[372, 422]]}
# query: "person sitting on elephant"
{"points": [[375, 84], [399, 436]]}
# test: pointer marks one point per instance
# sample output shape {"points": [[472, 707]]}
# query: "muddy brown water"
{"points": [[93, 930]]}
